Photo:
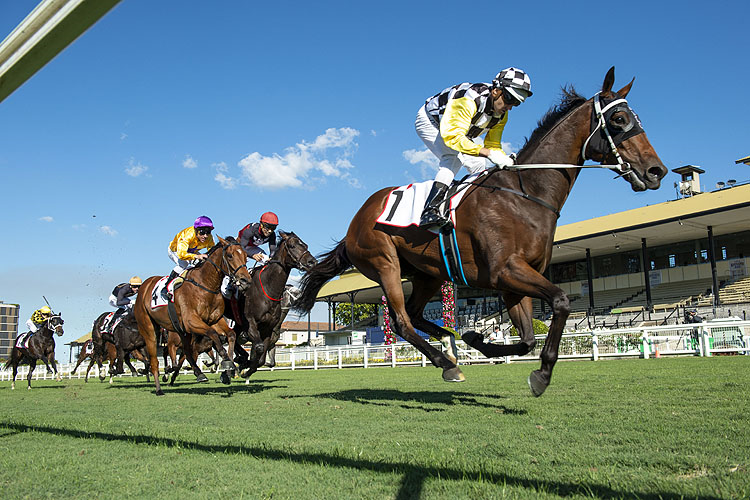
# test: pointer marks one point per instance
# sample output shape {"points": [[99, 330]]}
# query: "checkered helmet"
{"points": [[516, 81]]}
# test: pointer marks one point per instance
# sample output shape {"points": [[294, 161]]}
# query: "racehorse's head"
{"points": [[235, 262], [617, 137], [293, 252], [55, 323]]}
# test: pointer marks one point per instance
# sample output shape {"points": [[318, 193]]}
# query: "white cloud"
{"points": [[46, 218], [373, 133], [79, 227], [225, 181], [424, 159], [424, 156], [135, 169], [189, 162], [108, 230], [327, 155], [123, 136]]}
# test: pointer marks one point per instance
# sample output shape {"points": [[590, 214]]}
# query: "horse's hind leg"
{"points": [[390, 280], [423, 288]]}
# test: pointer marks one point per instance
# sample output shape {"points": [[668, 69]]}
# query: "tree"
{"points": [[343, 312]]}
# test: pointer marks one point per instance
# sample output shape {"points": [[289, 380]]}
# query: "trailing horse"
{"points": [[117, 346], [505, 229], [40, 346], [261, 302], [198, 306]]}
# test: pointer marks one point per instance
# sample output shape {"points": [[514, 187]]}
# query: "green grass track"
{"points": [[668, 428]]}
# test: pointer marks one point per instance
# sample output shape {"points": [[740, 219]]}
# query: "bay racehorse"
{"points": [[261, 303], [505, 229], [40, 346], [199, 306]]}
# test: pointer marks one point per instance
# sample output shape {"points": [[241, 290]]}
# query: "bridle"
{"points": [[54, 328], [599, 123], [297, 263], [231, 272]]}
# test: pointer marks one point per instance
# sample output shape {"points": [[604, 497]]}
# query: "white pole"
{"points": [[595, 347], [364, 354], [393, 355], [644, 343]]}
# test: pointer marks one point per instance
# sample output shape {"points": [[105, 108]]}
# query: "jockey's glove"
{"points": [[499, 158]]}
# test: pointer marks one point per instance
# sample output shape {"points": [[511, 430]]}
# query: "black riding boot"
{"points": [[165, 291], [431, 216]]}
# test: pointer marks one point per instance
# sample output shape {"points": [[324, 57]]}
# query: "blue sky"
{"points": [[167, 110]]}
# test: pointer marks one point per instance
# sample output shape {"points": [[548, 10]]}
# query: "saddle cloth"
{"points": [[22, 341], [106, 327], [156, 298], [405, 204]]}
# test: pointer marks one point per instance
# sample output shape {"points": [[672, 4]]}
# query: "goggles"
{"points": [[510, 99], [203, 231], [266, 225]]}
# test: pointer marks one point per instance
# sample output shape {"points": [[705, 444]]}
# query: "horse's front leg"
{"points": [[257, 350], [520, 312], [522, 280], [54, 367]]}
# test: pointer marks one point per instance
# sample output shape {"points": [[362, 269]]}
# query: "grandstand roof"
{"points": [[725, 210]]}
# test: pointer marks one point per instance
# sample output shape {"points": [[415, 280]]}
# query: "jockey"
{"points": [[38, 318], [449, 122], [120, 298], [183, 250], [256, 234]]}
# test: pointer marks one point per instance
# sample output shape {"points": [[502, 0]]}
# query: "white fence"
{"points": [[704, 339]]}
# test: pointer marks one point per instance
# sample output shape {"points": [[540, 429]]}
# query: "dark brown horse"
{"points": [[116, 347], [41, 346], [505, 228], [261, 303], [199, 306]]}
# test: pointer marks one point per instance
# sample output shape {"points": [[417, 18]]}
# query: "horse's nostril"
{"points": [[657, 172]]}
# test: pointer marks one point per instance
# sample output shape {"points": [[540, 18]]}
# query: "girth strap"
{"points": [[172, 311]]}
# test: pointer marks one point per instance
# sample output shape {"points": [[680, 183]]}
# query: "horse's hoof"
{"points": [[164, 378], [537, 383], [472, 338], [453, 375], [159, 392], [246, 373], [202, 378], [227, 365], [225, 379]]}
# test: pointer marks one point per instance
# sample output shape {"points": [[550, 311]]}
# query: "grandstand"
{"points": [[642, 265]]}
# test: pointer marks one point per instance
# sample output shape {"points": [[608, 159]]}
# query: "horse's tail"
{"points": [[329, 265]]}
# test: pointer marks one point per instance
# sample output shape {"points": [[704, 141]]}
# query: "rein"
{"points": [[232, 273], [260, 279], [622, 167], [522, 193]]}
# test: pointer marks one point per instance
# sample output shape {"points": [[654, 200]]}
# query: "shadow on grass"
{"points": [[215, 388], [413, 475], [425, 400]]}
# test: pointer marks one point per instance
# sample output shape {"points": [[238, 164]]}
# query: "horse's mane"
{"points": [[569, 100]]}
